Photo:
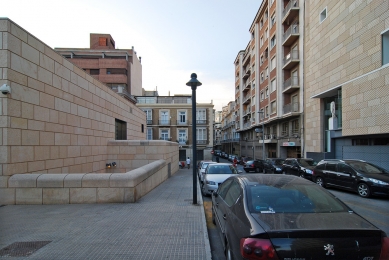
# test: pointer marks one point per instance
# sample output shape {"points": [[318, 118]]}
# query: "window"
{"points": [[165, 118], [323, 15], [164, 134], [120, 130], [273, 42], [260, 24], [201, 134], [285, 129], [262, 77], [273, 107], [273, 63], [182, 137], [385, 47], [272, 20], [94, 71], [261, 42], [266, 35], [273, 85], [201, 116], [181, 117], [267, 92], [233, 194], [261, 59], [149, 116], [267, 111], [262, 96], [295, 127], [149, 133]]}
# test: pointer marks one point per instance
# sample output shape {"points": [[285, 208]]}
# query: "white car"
{"points": [[204, 165], [214, 175]]}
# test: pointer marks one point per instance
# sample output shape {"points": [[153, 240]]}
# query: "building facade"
{"points": [[230, 137], [170, 118], [269, 87], [347, 80], [119, 69]]}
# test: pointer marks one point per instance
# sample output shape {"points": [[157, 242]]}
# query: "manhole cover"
{"points": [[22, 248]]}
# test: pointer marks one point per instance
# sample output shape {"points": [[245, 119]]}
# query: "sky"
{"points": [[174, 37]]}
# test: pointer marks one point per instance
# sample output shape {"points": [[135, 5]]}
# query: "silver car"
{"points": [[214, 175], [204, 166]]}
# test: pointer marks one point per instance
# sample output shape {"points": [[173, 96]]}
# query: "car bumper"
{"points": [[209, 189], [379, 190]]}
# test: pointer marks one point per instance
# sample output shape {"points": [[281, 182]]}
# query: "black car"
{"points": [[300, 167], [272, 216], [355, 175], [257, 166], [276, 164], [244, 159]]}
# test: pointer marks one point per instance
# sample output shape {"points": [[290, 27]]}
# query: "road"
{"points": [[375, 210]]}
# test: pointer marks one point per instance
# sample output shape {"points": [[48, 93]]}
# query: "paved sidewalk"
{"points": [[164, 224]]}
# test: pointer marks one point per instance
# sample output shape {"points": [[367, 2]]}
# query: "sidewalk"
{"points": [[164, 224]]}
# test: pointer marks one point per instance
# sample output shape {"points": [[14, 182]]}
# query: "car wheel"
{"points": [[302, 175], [320, 181], [203, 190], [228, 251], [363, 190]]}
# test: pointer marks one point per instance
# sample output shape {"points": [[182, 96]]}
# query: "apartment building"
{"points": [[170, 118], [230, 137], [346, 68], [217, 129], [119, 69], [269, 87]]}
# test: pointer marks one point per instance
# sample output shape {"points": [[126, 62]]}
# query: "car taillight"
{"points": [[252, 165], [256, 248], [385, 249]]}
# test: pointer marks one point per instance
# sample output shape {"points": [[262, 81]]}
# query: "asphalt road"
{"points": [[375, 210]]}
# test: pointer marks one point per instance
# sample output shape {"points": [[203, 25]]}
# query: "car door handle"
{"points": [[225, 217]]}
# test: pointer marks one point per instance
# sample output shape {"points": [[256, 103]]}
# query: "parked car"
{"points": [[276, 216], [199, 164], [276, 164], [355, 175], [257, 166], [244, 160], [214, 175], [232, 156], [202, 170], [217, 152], [300, 167]]}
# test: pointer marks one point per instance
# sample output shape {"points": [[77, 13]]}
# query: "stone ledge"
{"points": [[84, 188]]}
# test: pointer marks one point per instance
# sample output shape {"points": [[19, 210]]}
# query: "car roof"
{"points": [[276, 180]]}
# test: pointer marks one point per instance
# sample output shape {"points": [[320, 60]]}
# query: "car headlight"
{"points": [[308, 171], [378, 181], [211, 182], [278, 169]]}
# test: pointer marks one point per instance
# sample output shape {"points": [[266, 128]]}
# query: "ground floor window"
{"points": [[120, 130]]}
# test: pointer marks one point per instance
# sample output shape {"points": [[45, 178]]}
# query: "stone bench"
{"points": [[76, 188]]}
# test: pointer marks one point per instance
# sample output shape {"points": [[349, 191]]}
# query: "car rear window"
{"points": [[221, 169], [291, 198]]}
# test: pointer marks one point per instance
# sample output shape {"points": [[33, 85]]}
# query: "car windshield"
{"points": [[205, 165], [221, 169], [364, 167], [307, 162], [291, 198]]}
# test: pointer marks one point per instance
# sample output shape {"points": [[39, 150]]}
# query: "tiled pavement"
{"points": [[164, 224]]}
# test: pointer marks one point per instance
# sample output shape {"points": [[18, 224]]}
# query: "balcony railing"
{"points": [[291, 84], [164, 122], [291, 107], [149, 121], [291, 35], [201, 121], [201, 141], [290, 10], [291, 59], [179, 122]]}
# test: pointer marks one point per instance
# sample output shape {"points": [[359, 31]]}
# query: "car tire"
{"points": [[203, 190], [213, 218], [228, 252], [302, 175], [363, 190], [320, 181]]}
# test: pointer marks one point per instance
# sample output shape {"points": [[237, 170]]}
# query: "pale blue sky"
{"points": [[173, 37]]}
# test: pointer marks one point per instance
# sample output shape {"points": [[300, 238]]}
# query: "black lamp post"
{"points": [[194, 83]]}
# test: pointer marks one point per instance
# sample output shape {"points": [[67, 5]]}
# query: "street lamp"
{"points": [[194, 83], [263, 136]]}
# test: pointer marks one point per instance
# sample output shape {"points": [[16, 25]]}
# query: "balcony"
{"points": [[291, 60], [247, 112], [203, 142], [182, 123], [201, 122], [149, 121], [291, 11], [247, 73], [247, 86], [291, 108], [164, 122], [290, 85], [246, 99], [291, 35]]}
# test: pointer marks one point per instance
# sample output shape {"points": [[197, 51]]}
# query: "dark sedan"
{"points": [[355, 175], [281, 217], [257, 166]]}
